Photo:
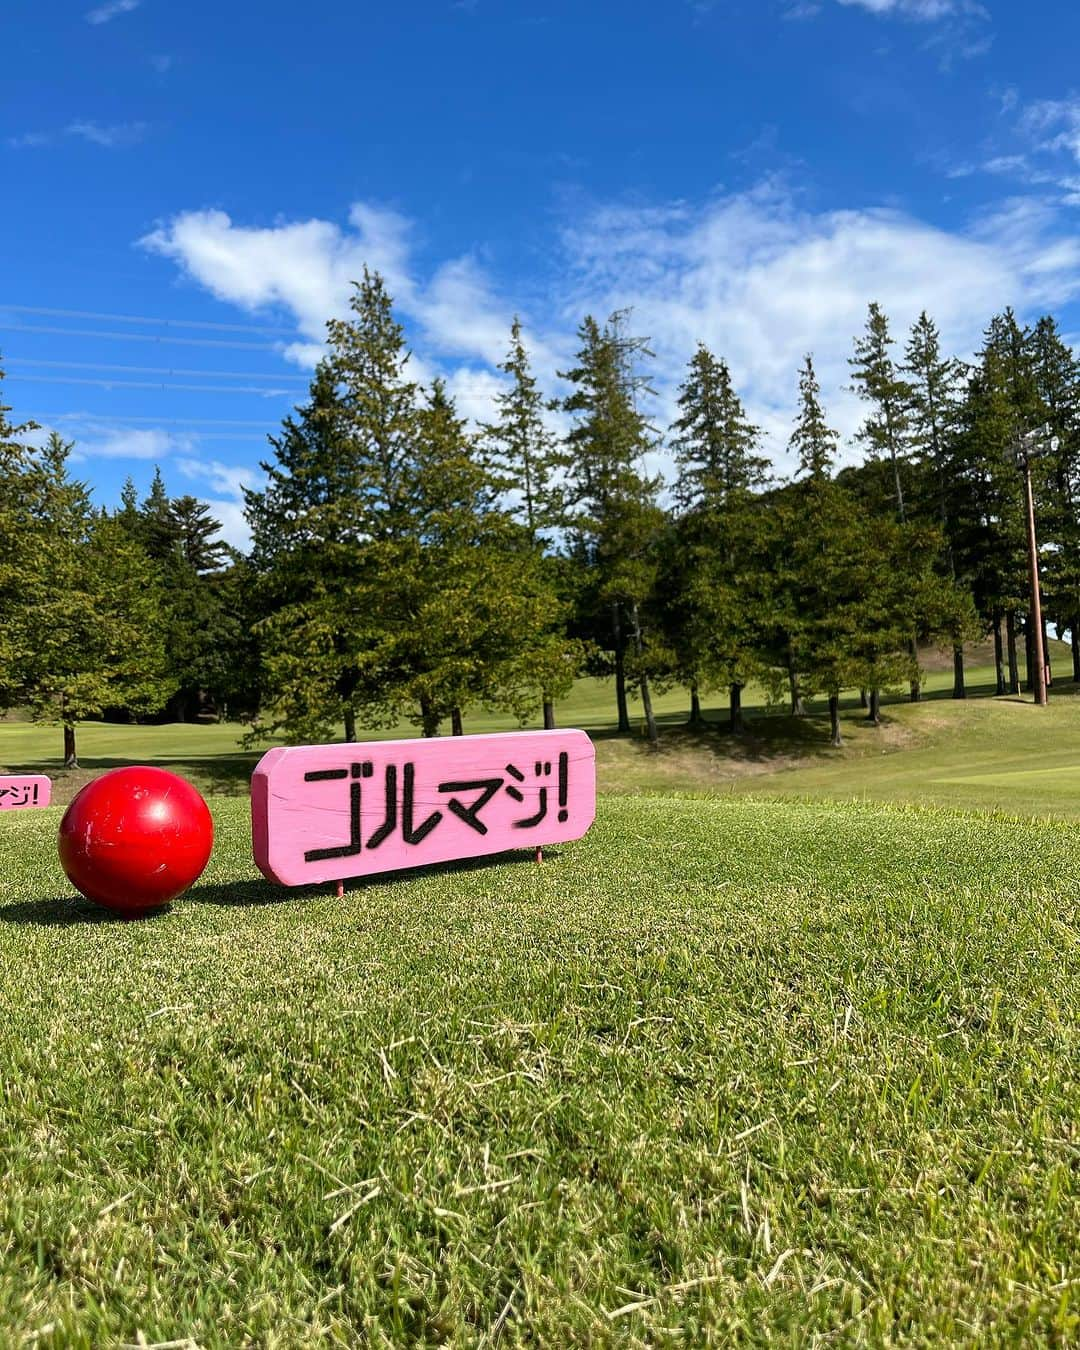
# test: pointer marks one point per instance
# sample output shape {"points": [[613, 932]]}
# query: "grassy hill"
{"points": [[984, 753], [727, 1070]]}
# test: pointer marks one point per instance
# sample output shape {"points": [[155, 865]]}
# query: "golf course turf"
{"points": [[728, 1069]]}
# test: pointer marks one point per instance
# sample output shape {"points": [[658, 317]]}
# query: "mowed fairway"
{"points": [[726, 1070]]}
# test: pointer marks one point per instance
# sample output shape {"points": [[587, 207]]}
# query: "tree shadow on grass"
{"points": [[227, 775]]}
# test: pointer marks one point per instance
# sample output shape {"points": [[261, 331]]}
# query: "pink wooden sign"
{"points": [[326, 812], [24, 790]]}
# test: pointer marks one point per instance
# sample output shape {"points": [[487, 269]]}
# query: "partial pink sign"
{"points": [[327, 812], [24, 790]]}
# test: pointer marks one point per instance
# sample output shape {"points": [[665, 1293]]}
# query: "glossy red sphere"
{"points": [[134, 839]]}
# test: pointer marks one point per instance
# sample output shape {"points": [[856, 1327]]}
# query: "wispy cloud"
{"points": [[922, 11], [112, 9], [758, 277], [118, 135], [228, 482]]}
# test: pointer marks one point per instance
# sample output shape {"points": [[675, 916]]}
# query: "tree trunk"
{"points": [[1029, 654], [71, 759], [834, 720], [455, 722], [429, 718], [1046, 655], [864, 700], [350, 723], [999, 656], [1010, 643], [1074, 638], [549, 714], [696, 718], [916, 683], [798, 708], [874, 715], [736, 710], [620, 668], [643, 679], [959, 689]]}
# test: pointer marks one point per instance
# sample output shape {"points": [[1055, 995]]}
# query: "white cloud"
{"points": [[924, 11], [110, 10], [762, 282], [228, 482], [308, 268], [116, 136], [131, 443], [1055, 125], [111, 137], [755, 275]]}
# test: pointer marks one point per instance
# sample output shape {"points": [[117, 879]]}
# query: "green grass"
{"points": [[725, 1071], [984, 754]]}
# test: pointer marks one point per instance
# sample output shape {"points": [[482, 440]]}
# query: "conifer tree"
{"points": [[715, 623], [1056, 369], [878, 382], [525, 453], [935, 384], [616, 527], [715, 445], [96, 606], [813, 440], [19, 548], [330, 531]]}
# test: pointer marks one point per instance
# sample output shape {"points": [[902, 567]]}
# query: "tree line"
{"points": [[404, 565]]}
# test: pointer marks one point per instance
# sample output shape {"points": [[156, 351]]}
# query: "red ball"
{"points": [[134, 839]]}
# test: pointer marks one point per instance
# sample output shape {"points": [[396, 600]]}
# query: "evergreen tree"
{"points": [[715, 444], [1056, 370], [935, 384], [615, 529], [20, 556], [197, 535], [329, 531], [96, 607], [813, 440], [877, 382], [524, 451], [714, 623]]}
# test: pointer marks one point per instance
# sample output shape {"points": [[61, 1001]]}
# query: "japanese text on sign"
{"points": [[24, 790], [321, 813]]}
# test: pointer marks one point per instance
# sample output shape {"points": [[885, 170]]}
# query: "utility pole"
{"points": [[1030, 445]]}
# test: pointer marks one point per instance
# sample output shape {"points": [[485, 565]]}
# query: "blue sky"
{"points": [[748, 172]]}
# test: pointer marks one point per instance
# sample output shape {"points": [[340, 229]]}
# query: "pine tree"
{"points": [[877, 382], [197, 533], [813, 440], [715, 444], [524, 451], [20, 556], [1056, 370], [97, 610], [615, 529], [935, 384], [487, 619], [713, 623]]}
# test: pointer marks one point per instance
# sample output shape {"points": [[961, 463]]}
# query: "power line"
{"points": [[141, 318], [99, 419], [142, 337], [155, 370], [152, 384]]}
